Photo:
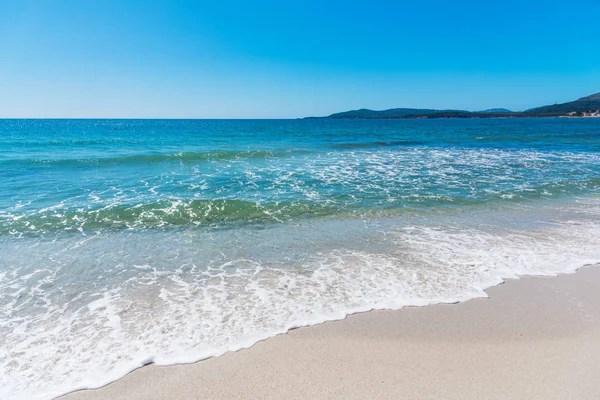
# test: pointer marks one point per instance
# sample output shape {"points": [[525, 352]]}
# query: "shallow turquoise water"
{"points": [[90, 175], [124, 242]]}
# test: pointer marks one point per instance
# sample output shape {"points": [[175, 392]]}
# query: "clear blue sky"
{"points": [[271, 59]]}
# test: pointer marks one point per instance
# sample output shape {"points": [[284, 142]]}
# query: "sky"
{"points": [[288, 59]]}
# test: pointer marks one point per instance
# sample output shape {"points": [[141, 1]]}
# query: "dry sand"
{"points": [[534, 338]]}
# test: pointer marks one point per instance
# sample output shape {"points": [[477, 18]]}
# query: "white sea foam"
{"points": [[110, 304], [328, 182]]}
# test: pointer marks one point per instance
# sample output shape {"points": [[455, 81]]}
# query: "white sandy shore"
{"points": [[535, 338]]}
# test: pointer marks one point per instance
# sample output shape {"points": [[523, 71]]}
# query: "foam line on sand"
{"points": [[533, 338]]}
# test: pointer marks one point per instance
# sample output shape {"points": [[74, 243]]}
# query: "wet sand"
{"points": [[533, 338]]}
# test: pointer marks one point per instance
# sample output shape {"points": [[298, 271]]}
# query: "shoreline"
{"points": [[544, 329]]}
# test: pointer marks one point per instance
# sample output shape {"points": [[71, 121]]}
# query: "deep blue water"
{"points": [[131, 241]]}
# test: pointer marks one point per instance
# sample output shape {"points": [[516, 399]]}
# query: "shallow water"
{"points": [[124, 242]]}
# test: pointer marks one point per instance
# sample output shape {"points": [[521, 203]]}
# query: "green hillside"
{"points": [[587, 103]]}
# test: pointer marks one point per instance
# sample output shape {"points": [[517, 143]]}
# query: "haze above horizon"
{"points": [[134, 59]]}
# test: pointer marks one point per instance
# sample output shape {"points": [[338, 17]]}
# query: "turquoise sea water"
{"points": [[124, 242]]}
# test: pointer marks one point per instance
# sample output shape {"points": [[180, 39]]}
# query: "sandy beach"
{"points": [[533, 338]]}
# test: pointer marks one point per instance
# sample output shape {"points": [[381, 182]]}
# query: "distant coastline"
{"points": [[585, 107]]}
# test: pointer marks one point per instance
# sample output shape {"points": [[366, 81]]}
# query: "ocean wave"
{"points": [[151, 158], [299, 199], [366, 145], [110, 304], [208, 213]]}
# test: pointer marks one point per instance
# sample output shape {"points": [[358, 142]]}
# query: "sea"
{"points": [[129, 242]]}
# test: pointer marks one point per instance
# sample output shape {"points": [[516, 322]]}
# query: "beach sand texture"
{"points": [[533, 338]]}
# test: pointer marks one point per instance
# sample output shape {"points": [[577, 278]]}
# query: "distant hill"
{"points": [[394, 112], [496, 110], [587, 103], [419, 113], [592, 97]]}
